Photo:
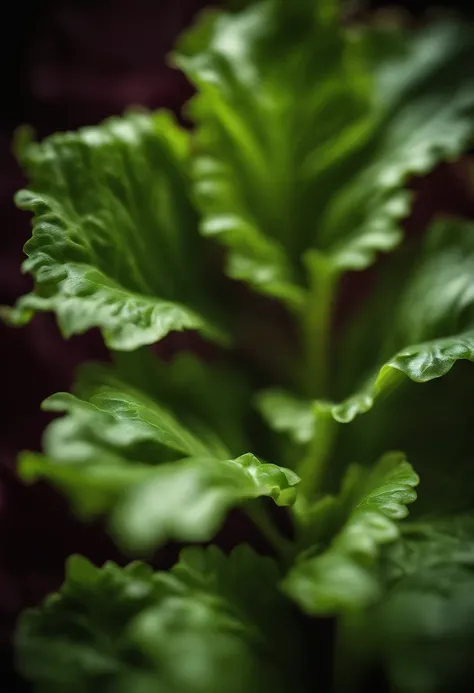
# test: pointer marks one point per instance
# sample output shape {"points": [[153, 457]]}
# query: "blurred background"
{"points": [[64, 64]]}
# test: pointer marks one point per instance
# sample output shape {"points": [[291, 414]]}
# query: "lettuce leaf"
{"points": [[423, 630], [115, 242], [343, 577], [115, 415], [122, 454], [214, 395], [307, 132], [207, 626], [437, 305]]}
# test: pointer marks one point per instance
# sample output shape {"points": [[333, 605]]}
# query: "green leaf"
{"points": [[421, 363], [438, 305], [214, 623], [186, 500], [213, 395], [307, 133], [286, 413], [423, 629], [113, 415], [439, 297], [76, 641], [116, 418], [343, 576], [423, 116], [249, 583], [189, 500], [122, 454], [428, 296], [433, 425], [115, 242]]}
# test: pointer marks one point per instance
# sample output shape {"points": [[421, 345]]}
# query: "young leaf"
{"points": [[122, 454], [115, 241], [307, 133], [206, 627], [343, 577]]}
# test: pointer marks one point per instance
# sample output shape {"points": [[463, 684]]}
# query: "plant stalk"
{"points": [[315, 377], [316, 327], [312, 465]]}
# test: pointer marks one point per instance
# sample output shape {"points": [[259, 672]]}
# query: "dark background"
{"points": [[63, 64]]}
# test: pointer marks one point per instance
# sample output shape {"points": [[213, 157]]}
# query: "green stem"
{"points": [[312, 465], [316, 326], [315, 377]]}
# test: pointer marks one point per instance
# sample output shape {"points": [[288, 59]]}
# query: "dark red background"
{"points": [[66, 64]]}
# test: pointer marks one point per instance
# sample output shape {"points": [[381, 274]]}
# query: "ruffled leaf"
{"points": [[211, 395], [422, 632], [120, 453], [420, 363], [209, 625], [186, 500], [343, 577], [115, 241], [113, 416], [437, 305], [307, 133]]}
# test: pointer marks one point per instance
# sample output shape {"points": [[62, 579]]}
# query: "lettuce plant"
{"points": [[242, 230]]}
